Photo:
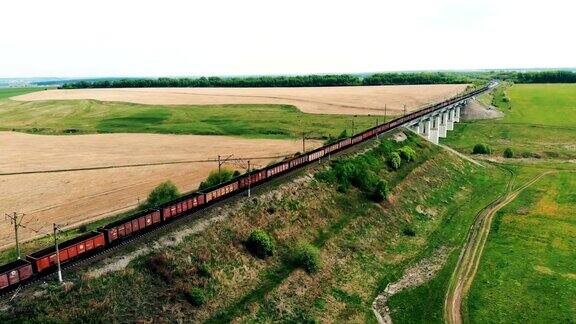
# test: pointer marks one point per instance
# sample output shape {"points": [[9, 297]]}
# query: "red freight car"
{"points": [[222, 191], [182, 205], [69, 250], [255, 177], [14, 272], [126, 227]]}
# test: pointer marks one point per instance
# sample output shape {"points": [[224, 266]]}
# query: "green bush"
{"points": [[481, 148], [307, 257], [83, 228], [380, 191], [214, 178], [196, 296], [408, 231], [394, 160], [407, 153], [260, 244], [164, 192], [204, 270], [508, 153]]}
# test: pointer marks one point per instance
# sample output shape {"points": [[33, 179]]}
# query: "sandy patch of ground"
{"points": [[323, 100], [416, 275], [476, 110], [73, 197]]}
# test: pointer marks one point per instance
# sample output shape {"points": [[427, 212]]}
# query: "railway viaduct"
{"points": [[437, 123]]}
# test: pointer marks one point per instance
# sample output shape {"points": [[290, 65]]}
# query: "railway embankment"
{"points": [[335, 235]]}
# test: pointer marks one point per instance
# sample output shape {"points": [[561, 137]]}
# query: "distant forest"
{"points": [[330, 80], [544, 77], [278, 81]]}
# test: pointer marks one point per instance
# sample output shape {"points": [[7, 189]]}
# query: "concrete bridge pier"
{"points": [[450, 119], [457, 114], [425, 128], [434, 129], [442, 125]]}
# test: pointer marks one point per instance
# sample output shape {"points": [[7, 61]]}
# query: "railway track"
{"points": [[175, 212]]}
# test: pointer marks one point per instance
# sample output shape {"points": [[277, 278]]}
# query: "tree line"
{"points": [[544, 77], [276, 81]]}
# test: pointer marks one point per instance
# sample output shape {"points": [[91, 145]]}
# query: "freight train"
{"points": [[45, 261]]}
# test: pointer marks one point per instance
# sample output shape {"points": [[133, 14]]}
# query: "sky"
{"points": [[71, 38]]}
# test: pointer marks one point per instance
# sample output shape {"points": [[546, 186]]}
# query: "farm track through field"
{"points": [[469, 259]]}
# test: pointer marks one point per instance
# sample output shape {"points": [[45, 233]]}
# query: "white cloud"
{"points": [[218, 37]]}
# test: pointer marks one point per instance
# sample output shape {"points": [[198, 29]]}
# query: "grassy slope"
{"points": [[6, 93], [362, 249], [541, 121], [528, 270], [91, 116]]}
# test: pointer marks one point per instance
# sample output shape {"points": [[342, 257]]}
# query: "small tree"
{"points": [[407, 153], [394, 160], [164, 192], [215, 178], [481, 148], [380, 191], [260, 244], [508, 153], [307, 257], [196, 296]]}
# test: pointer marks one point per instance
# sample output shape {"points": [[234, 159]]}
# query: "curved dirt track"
{"points": [[467, 265], [362, 100]]}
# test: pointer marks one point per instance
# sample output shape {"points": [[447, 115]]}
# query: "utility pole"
{"points": [[404, 109], [353, 125], [56, 229], [249, 179], [385, 112], [303, 143], [377, 134], [16, 220], [219, 167], [220, 163]]}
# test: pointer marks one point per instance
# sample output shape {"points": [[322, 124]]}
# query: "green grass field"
{"points": [[253, 121], [541, 122], [528, 270], [6, 93]]}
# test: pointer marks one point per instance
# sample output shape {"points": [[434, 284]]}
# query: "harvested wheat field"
{"points": [[77, 196], [325, 100]]}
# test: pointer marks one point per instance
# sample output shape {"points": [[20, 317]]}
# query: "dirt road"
{"points": [[467, 265]]}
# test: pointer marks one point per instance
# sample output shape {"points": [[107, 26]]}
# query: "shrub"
{"points": [[380, 191], [407, 153], [196, 296], [204, 270], [408, 231], [214, 178], [164, 192], [394, 160], [83, 228], [508, 153], [307, 257], [260, 244], [481, 148]]}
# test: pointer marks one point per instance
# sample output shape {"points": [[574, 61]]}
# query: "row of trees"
{"points": [[545, 77], [277, 81]]}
